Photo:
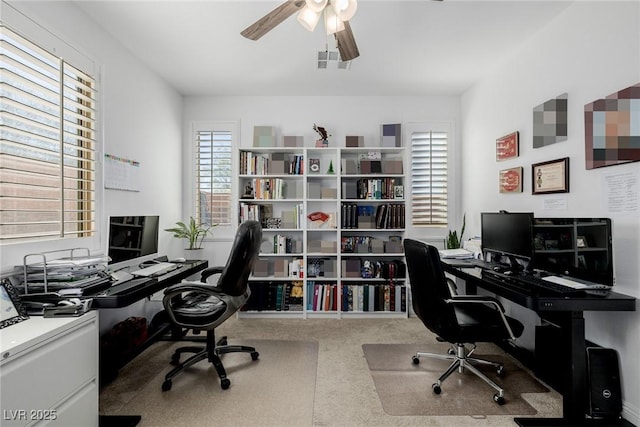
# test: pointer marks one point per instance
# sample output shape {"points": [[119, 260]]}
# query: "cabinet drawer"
{"points": [[50, 373]]}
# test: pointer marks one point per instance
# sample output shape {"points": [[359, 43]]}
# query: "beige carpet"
{"points": [[280, 384], [405, 388]]}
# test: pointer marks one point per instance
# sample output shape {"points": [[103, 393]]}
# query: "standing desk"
{"points": [[567, 313], [125, 294]]}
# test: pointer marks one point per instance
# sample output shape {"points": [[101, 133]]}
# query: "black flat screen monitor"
{"points": [[508, 234], [131, 239], [575, 247]]}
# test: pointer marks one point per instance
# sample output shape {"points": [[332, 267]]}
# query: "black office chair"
{"points": [[204, 306], [456, 319]]}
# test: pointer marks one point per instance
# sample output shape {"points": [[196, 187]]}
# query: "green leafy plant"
{"points": [[453, 240], [194, 233]]}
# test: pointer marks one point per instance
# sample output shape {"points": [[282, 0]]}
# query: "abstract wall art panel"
{"points": [[550, 122], [612, 129]]}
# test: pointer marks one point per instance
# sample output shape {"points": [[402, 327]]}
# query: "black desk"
{"points": [[126, 293], [566, 312]]}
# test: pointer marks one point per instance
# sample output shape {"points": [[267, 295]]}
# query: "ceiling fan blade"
{"points": [[347, 43], [272, 19]]}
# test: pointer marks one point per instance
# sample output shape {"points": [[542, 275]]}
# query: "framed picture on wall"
{"points": [[511, 180], [507, 147], [550, 177]]}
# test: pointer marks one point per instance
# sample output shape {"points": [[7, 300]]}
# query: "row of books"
{"points": [[283, 244], [385, 216], [357, 216], [275, 296], [253, 212], [324, 296], [390, 215], [253, 164], [391, 270], [292, 218], [269, 188], [376, 188], [387, 297]]}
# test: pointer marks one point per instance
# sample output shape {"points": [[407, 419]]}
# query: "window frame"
{"points": [[453, 179], [12, 252], [220, 232]]}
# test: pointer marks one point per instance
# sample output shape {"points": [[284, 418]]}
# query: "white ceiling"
{"points": [[418, 47]]}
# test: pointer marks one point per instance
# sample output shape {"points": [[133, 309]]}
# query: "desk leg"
{"points": [[574, 400]]}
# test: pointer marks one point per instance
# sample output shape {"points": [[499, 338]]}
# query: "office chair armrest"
{"points": [[179, 288], [207, 272], [483, 299], [478, 299]]}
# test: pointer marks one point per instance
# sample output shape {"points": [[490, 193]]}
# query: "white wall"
{"points": [[140, 119], [589, 51], [296, 115]]}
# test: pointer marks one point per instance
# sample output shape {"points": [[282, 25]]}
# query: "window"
{"points": [[429, 197], [213, 175], [47, 144]]}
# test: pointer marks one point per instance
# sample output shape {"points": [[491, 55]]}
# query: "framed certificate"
{"points": [[550, 177]]}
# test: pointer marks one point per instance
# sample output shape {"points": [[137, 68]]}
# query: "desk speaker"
{"points": [[605, 400]]}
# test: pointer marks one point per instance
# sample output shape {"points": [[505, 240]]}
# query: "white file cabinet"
{"points": [[49, 372]]}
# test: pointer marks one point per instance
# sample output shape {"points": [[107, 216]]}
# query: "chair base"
{"points": [[461, 360], [212, 352]]}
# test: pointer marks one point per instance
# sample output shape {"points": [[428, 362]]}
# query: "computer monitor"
{"points": [[132, 240], [575, 247], [508, 234]]}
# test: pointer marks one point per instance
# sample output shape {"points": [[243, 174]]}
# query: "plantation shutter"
{"points": [[47, 144], [429, 178], [213, 180]]}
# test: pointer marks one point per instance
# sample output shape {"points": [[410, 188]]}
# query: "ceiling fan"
{"points": [[336, 13]]}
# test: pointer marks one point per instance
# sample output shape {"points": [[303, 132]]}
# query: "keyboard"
{"points": [[549, 284], [124, 287], [155, 269]]}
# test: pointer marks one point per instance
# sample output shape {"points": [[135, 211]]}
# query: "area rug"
{"points": [[277, 389], [405, 388]]}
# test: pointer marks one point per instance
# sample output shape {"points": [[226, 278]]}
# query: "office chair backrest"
{"points": [[244, 252], [429, 288]]}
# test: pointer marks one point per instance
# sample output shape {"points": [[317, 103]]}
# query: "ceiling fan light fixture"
{"points": [[316, 5], [345, 9], [308, 18], [332, 21]]}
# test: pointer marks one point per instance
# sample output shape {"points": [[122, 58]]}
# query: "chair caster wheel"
{"points": [[500, 371], [225, 383], [416, 360], [436, 388], [255, 355], [166, 385], [498, 399], [451, 352]]}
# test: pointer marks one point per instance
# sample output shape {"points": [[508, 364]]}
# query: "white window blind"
{"points": [[47, 144], [213, 180], [429, 196]]}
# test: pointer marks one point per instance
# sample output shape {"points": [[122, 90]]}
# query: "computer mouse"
{"points": [[508, 273], [180, 259]]}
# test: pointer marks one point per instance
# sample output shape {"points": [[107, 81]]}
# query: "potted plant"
{"points": [[453, 240], [194, 233]]}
